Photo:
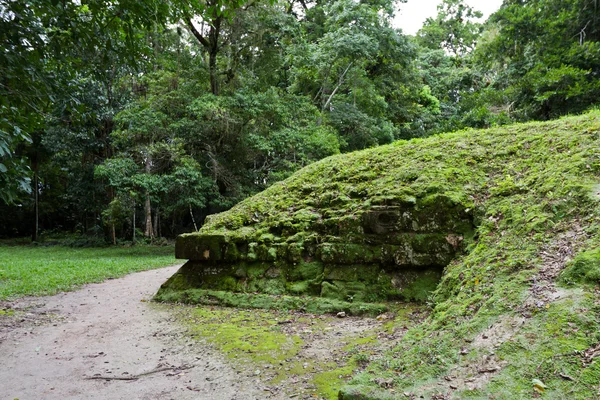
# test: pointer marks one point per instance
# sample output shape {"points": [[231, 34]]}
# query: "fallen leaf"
{"points": [[538, 386]]}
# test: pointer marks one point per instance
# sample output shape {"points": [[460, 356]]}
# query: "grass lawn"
{"points": [[27, 270]]}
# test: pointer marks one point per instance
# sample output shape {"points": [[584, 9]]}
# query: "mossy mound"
{"points": [[523, 199], [374, 250], [334, 230]]}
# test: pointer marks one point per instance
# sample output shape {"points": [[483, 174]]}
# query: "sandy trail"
{"points": [[111, 330]]}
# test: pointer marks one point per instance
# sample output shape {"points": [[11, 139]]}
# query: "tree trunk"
{"points": [[213, 39], [36, 228], [159, 221], [156, 211], [133, 229], [148, 231], [211, 45], [193, 219], [212, 66], [340, 82]]}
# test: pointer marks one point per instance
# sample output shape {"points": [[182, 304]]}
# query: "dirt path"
{"points": [[110, 330]]}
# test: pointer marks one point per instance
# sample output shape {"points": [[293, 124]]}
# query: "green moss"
{"points": [[418, 286], [267, 286], [348, 253], [209, 247], [227, 283], [330, 381], [178, 282], [232, 253], [344, 291], [265, 301], [362, 392], [304, 270], [348, 273], [584, 268], [257, 270], [302, 287], [256, 341], [552, 343], [365, 340], [239, 335]]}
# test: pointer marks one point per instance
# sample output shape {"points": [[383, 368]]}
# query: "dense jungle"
{"points": [[128, 121]]}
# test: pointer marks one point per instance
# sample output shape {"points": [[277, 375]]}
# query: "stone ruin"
{"points": [[382, 253]]}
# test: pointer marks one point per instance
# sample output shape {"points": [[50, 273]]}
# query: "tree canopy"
{"points": [[137, 119]]}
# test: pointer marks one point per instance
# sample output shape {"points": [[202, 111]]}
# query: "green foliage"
{"points": [[45, 48], [187, 185], [584, 268], [358, 70], [453, 29], [115, 214], [14, 178], [544, 81], [531, 60], [118, 172], [457, 80]]}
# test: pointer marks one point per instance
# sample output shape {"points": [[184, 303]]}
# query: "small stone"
{"points": [[341, 314], [382, 317]]}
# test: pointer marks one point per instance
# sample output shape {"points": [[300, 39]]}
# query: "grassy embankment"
{"points": [[517, 315], [37, 270]]}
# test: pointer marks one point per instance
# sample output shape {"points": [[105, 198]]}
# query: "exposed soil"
{"points": [[107, 341], [555, 257]]}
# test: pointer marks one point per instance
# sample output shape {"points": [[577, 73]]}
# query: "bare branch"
{"points": [[340, 82], [196, 33]]}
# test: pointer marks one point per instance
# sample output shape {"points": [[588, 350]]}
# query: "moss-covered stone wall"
{"points": [[392, 251]]}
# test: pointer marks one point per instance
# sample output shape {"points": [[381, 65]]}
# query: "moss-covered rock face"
{"points": [[395, 249]]}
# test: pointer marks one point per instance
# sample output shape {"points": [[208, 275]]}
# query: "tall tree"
{"points": [[357, 69], [206, 20], [545, 55], [44, 46], [455, 28]]}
